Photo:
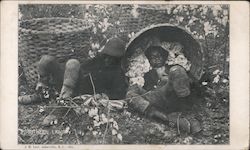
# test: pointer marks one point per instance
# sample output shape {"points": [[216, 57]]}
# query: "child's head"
{"points": [[156, 55], [114, 47], [113, 51]]}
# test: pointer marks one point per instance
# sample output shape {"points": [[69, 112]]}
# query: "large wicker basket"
{"points": [[63, 38], [155, 20], [169, 33]]}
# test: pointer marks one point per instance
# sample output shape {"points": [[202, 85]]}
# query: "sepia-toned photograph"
{"points": [[123, 74]]}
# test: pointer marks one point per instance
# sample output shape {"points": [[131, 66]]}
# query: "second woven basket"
{"points": [[63, 38]]}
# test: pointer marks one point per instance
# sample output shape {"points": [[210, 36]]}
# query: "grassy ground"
{"points": [[71, 128]]}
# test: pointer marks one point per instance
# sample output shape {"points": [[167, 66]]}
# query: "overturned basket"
{"points": [[169, 33], [63, 38]]}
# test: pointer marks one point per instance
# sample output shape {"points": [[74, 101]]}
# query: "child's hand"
{"points": [[161, 72]]}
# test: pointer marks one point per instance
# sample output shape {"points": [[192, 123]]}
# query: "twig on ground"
{"points": [[31, 115], [107, 125], [77, 138], [20, 139], [213, 66], [178, 124], [20, 75], [31, 138], [136, 96], [76, 114], [74, 103], [62, 106], [52, 111], [93, 85], [67, 113]]}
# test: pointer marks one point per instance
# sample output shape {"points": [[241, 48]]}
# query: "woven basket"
{"points": [[147, 15], [63, 38], [169, 33], [154, 20]]}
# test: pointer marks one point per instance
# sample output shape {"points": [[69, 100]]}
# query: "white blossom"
{"points": [[134, 12], [216, 9], [94, 133], [119, 136], [66, 130], [93, 112], [204, 83], [225, 81], [115, 125], [111, 120], [96, 117], [41, 109], [104, 118], [137, 80], [91, 54], [216, 72], [132, 34], [114, 132], [216, 79]]}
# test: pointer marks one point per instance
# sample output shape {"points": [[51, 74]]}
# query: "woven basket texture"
{"points": [[60, 37], [147, 15], [67, 38]]}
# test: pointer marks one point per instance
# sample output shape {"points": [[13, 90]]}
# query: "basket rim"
{"points": [[140, 32], [21, 29]]}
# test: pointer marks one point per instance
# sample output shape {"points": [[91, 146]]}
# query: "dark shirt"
{"points": [[152, 81], [110, 80]]}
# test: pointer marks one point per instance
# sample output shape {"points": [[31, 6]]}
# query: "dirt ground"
{"points": [[134, 128]]}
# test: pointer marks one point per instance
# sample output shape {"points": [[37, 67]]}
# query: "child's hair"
{"points": [[150, 49]]}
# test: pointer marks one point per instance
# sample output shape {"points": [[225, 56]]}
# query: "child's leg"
{"points": [[180, 81], [71, 75], [48, 66]]}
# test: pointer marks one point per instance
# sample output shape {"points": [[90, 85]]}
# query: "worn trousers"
{"points": [[173, 96], [62, 74]]}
